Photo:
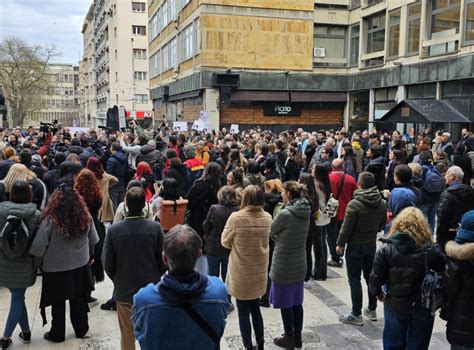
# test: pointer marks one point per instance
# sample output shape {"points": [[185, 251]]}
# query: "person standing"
{"points": [[65, 240], [246, 235], [376, 165], [132, 259], [289, 231], [365, 216], [18, 272], [117, 165]]}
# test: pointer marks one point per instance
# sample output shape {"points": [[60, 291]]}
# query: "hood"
{"points": [[370, 197], [22, 210], [181, 286], [181, 168], [404, 243], [356, 145], [460, 251], [121, 157], [380, 161], [76, 149], [147, 149], [400, 198], [299, 207]]}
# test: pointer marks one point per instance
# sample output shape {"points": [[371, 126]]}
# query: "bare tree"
{"points": [[24, 76]]}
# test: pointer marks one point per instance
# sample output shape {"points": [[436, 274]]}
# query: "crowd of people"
{"points": [[264, 213]]}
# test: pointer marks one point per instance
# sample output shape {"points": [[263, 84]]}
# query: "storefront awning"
{"points": [[311, 96], [267, 96], [424, 111], [189, 94]]}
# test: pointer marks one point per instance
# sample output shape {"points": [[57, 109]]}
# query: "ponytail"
{"points": [[295, 189]]}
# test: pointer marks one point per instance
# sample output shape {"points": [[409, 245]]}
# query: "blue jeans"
{"points": [[360, 258], [410, 330], [245, 308], [429, 210], [218, 265], [18, 313]]}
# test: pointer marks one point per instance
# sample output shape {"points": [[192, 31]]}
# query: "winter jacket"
{"points": [[401, 198], [106, 211], [50, 179], [399, 265], [148, 154], [213, 227], [86, 154], [459, 291], [457, 199], [271, 200], [350, 185], [292, 170], [204, 155], [359, 156], [289, 231], [5, 167], [254, 179], [19, 272], [464, 162], [377, 167], [180, 174], [366, 214], [246, 235], [200, 196], [117, 165]]}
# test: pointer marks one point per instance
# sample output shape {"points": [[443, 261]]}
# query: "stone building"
{"points": [[290, 63]]}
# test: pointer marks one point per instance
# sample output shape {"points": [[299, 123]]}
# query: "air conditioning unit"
{"points": [[319, 52]]}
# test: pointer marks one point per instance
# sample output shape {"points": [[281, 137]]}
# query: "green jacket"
{"points": [[289, 231], [366, 214]]}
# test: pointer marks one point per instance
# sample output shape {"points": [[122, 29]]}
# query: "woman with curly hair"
{"points": [[65, 240], [87, 186], [105, 181]]}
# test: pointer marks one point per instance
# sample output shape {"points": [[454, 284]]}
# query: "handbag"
{"points": [[330, 211]]}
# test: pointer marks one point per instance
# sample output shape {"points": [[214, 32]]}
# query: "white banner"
{"points": [[198, 125], [122, 117], [234, 129], [74, 130], [180, 126]]}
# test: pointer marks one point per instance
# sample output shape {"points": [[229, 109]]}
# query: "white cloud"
{"points": [[46, 22]]}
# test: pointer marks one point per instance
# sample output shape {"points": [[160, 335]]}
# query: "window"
{"points": [[116, 54], [116, 76], [139, 30], [355, 4], [139, 54], [141, 98], [393, 33], [422, 91], [414, 24], [373, 2], [115, 32], [355, 34], [333, 39], [173, 53], [385, 100], [139, 75], [445, 20], [154, 26], [164, 13], [154, 65], [188, 42], [469, 35], [376, 33], [165, 57], [138, 6]]}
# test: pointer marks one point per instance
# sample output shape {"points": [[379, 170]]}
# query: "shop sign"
{"points": [[281, 109]]}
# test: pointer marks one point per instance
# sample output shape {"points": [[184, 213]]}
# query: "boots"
{"points": [[298, 341], [286, 341]]}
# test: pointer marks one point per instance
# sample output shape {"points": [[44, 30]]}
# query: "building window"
{"points": [[138, 30], [154, 26], [373, 2], [385, 100], [445, 20], [422, 91], [355, 4], [173, 53], [142, 98], [164, 14], [138, 6], [115, 32], [116, 77], [393, 33], [139, 54], [414, 25], [139, 75], [188, 42], [116, 55], [332, 39], [165, 58], [154, 65], [469, 35], [376, 33]]}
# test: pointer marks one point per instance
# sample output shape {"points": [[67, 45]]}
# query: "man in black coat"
{"points": [[117, 165], [376, 165]]}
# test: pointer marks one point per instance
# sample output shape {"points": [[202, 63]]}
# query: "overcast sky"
{"points": [[46, 22]]}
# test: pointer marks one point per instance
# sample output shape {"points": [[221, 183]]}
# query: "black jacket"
{"points": [[180, 174], [456, 200], [148, 154], [117, 165], [50, 179], [5, 167], [201, 196], [464, 162], [37, 188], [377, 167], [271, 200], [399, 264], [213, 227], [459, 291]]}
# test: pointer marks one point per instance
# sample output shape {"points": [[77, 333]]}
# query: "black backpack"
{"points": [[432, 296], [15, 237]]}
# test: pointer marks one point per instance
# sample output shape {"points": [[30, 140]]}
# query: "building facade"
{"points": [[62, 98], [115, 61], [284, 63]]}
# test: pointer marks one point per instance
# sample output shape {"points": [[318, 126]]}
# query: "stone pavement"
{"points": [[324, 302]]}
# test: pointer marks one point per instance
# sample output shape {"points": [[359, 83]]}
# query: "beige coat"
{"points": [[246, 234], [106, 212]]}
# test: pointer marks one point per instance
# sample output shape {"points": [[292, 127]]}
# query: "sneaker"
{"points": [[333, 263], [25, 337], [110, 305], [6, 344], [371, 315], [92, 301], [352, 319]]}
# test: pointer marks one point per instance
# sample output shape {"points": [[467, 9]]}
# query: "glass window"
{"points": [[139, 54], [355, 4], [373, 2], [333, 39], [141, 98], [355, 35], [394, 33], [422, 91], [139, 30], [414, 25], [173, 53], [138, 6], [376, 33], [445, 16], [469, 36], [140, 75], [188, 42]]}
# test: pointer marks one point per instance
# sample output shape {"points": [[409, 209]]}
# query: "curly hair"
{"points": [[94, 165], [68, 212], [412, 221], [86, 185]]}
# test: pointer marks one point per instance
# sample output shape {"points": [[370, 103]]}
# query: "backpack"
{"points": [[433, 180], [15, 237], [172, 213], [432, 288]]}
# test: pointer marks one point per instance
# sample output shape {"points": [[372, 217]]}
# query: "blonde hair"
{"points": [[412, 221], [274, 186], [17, 172], [252, 195], [416, 169], [73, 157], [9, 152]]}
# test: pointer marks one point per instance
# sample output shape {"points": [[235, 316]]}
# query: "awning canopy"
{"points": [[248, 95], [424, 111], [308, 96], [189, 94], [287, 96]]}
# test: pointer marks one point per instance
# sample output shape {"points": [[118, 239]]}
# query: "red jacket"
{"points": [[350, 185]]}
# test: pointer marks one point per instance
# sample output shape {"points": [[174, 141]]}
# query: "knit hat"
{"points": [[466, 233]]}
